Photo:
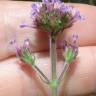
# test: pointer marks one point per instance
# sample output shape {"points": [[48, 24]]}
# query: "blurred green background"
{"points": [[91, 2]]}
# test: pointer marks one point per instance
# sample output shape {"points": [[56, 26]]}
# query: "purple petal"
{"points": [[23, 25], [66, 8], [45, 1], [50, 7], [12, 41], [19, 52], [62, 8], [78, 16], [26, 43], [16, 48], [55, 1], [34, 13], [63, 44], [74, 38], [35, 9], [34, 6]]}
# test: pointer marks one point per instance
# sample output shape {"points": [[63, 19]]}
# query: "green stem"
{"points": [[63, 73], [53, 55], [42, 74]]}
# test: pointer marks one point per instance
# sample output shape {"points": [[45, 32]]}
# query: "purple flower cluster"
{"points": [[53, 16], [23, 52], [71, 49]]}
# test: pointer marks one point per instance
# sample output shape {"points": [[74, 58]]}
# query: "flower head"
{"points": [[23, 52], [71, 49], [53, 16]]}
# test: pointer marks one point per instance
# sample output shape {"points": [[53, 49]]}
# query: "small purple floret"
{"points": [[35, 9], [26, 43], [19, 49], [71, 45], [45, 1], [66, 9], [78, 16], [23, 25], [55, 1]]}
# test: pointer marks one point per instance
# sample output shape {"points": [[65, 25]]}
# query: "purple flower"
{"points": [[53, 16], [55, 1], [71, 49], [66, 8], [45, 1], [77, 16], [35, 9], [23, 52]]}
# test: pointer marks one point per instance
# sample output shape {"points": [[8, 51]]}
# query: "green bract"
{"points": [[69, 55], [27, 57]]}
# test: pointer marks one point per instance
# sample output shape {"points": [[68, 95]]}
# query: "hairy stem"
{"points": [[53, 55]]}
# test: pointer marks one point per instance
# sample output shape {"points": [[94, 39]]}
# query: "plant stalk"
{"points": [[42, 74], [53, 55], [63, 73]]}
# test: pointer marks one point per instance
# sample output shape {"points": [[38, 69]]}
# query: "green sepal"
{"points": [[27, 57], [69, 55]]}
